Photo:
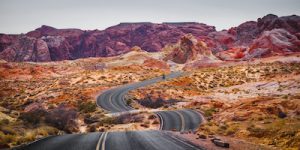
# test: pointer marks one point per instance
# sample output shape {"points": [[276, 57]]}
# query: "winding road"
{"points": [[113, 102]]}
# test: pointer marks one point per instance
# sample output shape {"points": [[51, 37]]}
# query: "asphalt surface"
{"points": [[179, 120], [145, 140], [130, 140], [66, 142], [113, 100]]}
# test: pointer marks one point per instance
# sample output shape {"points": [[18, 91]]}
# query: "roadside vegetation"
{"points": [[257, 102]]}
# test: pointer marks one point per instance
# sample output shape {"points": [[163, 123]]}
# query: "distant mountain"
{"points": [[63, 44], [270, 35]]}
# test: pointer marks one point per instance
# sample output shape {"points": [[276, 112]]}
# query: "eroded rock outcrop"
{"points": [[66, 44], [233, 44], [274, 42], [26, 48], [189, 49], [269, 36]]}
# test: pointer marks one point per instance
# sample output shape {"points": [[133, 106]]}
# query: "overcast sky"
{"points": [[21, 16]]}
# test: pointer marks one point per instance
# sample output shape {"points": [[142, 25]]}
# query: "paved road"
{"points": [[113, 100], [130, 140], [179, 120], [183, 120], [145, 140], [66, 142]]}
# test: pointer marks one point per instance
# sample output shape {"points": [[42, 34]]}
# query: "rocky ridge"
{"points": [[268, 36]]}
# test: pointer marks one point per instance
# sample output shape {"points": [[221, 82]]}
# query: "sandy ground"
{"points": [[234, 144]]}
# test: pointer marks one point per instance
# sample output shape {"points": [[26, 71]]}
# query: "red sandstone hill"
{"points": [[270, 35], [62, 44]]}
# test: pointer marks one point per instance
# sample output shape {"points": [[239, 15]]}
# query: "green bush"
{"points": [[4, 122], [87, 107], [209, 112]]}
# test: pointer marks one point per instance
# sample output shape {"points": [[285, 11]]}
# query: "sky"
{"points": [[21, 16]]}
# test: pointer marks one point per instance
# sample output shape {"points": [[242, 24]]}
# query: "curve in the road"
{"points": [[113, 101], [179, 120], [66, 142], [182, 120]]}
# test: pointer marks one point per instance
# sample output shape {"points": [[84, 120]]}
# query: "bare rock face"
{"points": [[6, 40], [189, 49], [270, 22], [274, 42], [59, 48], [232, 44], [232, 54], [240, 36], [270, 43], [26, 49], [74, 43], [269, 36]]}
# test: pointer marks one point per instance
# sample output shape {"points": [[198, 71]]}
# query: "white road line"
{"points": [[103, 142], [161, 121], [182, 120], [110, 101], [183, 142], [99, 141]]}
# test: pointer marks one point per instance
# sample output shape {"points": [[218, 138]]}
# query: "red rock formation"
{"points": [[270, 35], [232, 54], [26, 49], [74, 43], [274, 42], [270, 22], [6, 40], [189, 49]]}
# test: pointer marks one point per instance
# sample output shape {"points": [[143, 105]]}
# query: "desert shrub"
{"points": [[209, 112], [46, 130], [129, 101], [145, 125], [155, 122], [257, 132], [5, 139], [92, 129], [63, 118], [152, 117], [281, 114], [107, 120], [87, 107], [33, 117], [89, 119], [4, 122], [232, 129], [29, 136], [156, 103], [7, 130], [128, 118], [148, 102]]}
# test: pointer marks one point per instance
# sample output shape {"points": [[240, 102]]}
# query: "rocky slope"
{"points": [[269, 35], [191, 53], [50, 98], [63, 44]]}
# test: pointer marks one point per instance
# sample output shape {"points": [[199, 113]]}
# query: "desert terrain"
{"points": [[243, 82]]}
